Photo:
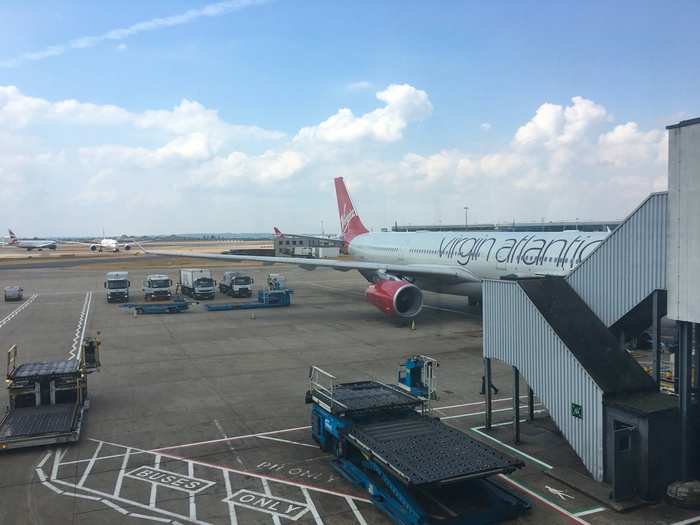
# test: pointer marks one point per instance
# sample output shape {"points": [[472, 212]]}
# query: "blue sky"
{"points": [[485, 70]]}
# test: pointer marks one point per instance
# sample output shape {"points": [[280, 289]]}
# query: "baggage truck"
{"points": [[117, 286], [157, 287], [197, 283], [236, 284], [47, 400]]}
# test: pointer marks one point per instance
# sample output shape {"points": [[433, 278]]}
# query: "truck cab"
{"points": [[157, 287], [236, 284], [117, 286]]}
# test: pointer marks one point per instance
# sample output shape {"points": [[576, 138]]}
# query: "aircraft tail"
{"points": [[350, 223], [13, 237], [278, 233]]}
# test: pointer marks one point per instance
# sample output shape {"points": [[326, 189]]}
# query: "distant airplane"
{"points": [[29, 244], [104, 244], [400, 265]]}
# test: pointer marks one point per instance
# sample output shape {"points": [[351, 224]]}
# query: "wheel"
{"points": [[139, 311]]}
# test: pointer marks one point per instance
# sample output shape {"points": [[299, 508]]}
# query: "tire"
{"points": [[684, 494], [139, 311]]}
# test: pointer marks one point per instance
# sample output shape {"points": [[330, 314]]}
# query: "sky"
{"points": [[191, 116]]}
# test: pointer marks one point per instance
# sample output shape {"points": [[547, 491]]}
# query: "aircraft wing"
{"points": [[454, 273]]}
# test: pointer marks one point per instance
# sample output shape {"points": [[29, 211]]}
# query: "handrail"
{"points": [[11, 361]]}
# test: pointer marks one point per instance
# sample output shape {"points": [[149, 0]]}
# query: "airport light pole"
{"points": [[466, 218]]}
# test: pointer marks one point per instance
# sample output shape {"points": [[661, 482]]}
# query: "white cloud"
{"points": [[485, 126], [18, 111], [404, 104], [626, 145], [362, 85], [137, 167], [121, 47], [211, 10]]}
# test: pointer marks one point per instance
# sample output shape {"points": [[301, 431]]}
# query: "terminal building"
{"points": [[302, 246]]}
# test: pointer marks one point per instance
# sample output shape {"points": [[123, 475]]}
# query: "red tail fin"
{"points": [[13, 237], [350, 224], [278, 233]]}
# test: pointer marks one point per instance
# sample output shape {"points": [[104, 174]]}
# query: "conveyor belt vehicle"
{"points": [[414, 468], [48, 400]]}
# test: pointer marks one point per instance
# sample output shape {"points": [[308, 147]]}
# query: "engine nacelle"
{"points": [[396, 298], [127, 247], [93, 247]]}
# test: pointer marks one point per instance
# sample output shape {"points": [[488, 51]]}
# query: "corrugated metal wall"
{"points": [[684, 211], [517, 334], [629, 265]]}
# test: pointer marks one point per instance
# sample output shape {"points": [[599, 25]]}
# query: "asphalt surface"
{"points": [[199, 417]]}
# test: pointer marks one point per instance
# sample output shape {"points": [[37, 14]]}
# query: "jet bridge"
{"points": [[566, 336]]}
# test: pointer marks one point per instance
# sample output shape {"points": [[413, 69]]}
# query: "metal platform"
{"points": [[421, 450], [365, 396], [51, 368], [34, 421]]}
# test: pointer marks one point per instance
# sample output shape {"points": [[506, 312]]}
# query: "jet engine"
{"points": [[396, 297], [93, 247], [127, 247]]}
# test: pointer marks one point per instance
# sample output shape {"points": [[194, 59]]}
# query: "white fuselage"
{"points": [[486, 255]]}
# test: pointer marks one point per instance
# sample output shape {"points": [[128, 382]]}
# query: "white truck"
{"points": [[156, 287], [197, 283], [117, 286], [236, 284]]}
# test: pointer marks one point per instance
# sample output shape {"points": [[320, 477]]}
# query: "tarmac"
{"points": [[199, 417]]}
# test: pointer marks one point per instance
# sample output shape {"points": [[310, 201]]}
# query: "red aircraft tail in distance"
{"points": [[13, 237], [278, 233], [350, 223]]}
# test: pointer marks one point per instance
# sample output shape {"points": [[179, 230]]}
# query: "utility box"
{"points": [[642, 442], [683, 245], [326, 252]]}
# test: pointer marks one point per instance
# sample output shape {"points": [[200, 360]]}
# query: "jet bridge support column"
{"points": [[530, 404], [487, 392], [684, 360], [656, 337], [516, 406]]}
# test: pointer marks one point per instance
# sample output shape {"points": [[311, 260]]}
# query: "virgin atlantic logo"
{"points": [[346, 217]]}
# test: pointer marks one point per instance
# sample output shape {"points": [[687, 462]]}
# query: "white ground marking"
{"points": [[17, 310], [123, 505], [266, 488], [512, 449], [310, 503], [229, 493], [288, 441], [596, 510], [543, 500], [154, 487], [475, 403], [358, 515], [228, 443], [79, 334], [245, 436], [90, 465]]}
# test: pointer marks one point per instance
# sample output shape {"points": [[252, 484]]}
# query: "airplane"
{"points": [[29, 244], [104, 244], [400, 265]]}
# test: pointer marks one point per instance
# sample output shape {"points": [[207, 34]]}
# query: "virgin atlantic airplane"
{"points": [[400, 265]]}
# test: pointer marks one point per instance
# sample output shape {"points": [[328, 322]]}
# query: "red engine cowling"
{"points": [[396, 298]]}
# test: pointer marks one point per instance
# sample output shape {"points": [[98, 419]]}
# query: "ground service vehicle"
{"points": [[236, 284], [197, 283], [48, 400], [117, 286], [13, 293], [157, 287]]}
